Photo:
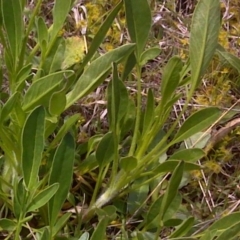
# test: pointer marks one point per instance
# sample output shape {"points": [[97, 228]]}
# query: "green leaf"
{"points": [[88, 164], [152, 213], [92, 76], [19, 199], [100, 231], [184, 228], [169, 165], [170, 79], [22, 75], [149, 113], [230, 233], [57, 103], [84, 236], [105, 150], [43, 36], [137, 195], [225, 222], [138, 16], [209, 235], [7, 225], [32, 144], [149, 54], [204, 37], [43, 197], [108, 211], [197, 122], [117, 100], [8, 107], [42, 89], [172, 189], [128, 163], [61, 222], [172, 210], [13, 23], [56, 58], [101, 34], [229, 58], [60, 12], [128, 66], [61, 172], [191, 155], [45, 233]]}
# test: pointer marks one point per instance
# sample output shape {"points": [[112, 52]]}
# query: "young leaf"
{"points": [[104, 152], [197, 122], [92, 76], [43, 197], [204, 37], [138, 16], [32, 144], [61, 172]]}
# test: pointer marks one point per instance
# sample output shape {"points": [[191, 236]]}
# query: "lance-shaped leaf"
{"points": [[204, 37], [60, 12], [32, 143], [12, 19], [93, 75], [197, 122], [61, 172], [41, 90], [138, 16]]}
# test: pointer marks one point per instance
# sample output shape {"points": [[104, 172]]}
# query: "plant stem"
{"points": [[138, 117]]}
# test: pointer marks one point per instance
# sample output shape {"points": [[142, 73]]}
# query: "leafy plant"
{"points": [[40, 153]]}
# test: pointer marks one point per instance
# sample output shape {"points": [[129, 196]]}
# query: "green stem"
{"points": [[138, 117], [19, 228]]}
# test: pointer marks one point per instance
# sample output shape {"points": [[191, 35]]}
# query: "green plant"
{"points": [[39, 150]]}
